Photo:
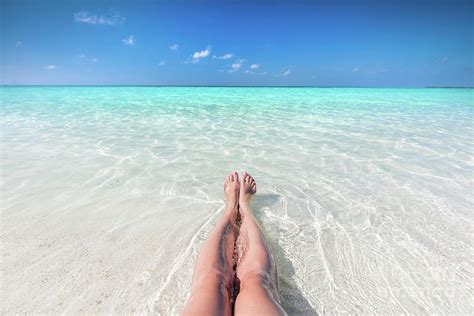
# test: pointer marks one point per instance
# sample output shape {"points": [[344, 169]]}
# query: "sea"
{"points": [[108, 192]]}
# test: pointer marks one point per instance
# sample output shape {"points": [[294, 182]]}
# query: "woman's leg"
{"points": [[256, 270], [213, 276]]}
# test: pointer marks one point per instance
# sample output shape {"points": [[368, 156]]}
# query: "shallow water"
{"points": [[366, 195]]}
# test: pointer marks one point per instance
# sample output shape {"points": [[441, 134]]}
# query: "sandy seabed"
{"points": [[365, 195]]}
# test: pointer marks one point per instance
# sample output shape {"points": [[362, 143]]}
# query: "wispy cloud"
{"points": [[197, 56], [355, 69], [130, 40], [250, 72], [162, 63], [174, 47], [50, 67], [252, 69], [225, 56], [113, 18], [236, 65], [84, 57], [284, 73], [19, 43]]}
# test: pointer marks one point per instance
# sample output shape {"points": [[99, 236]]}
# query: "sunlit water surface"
{"points": [[366, 195]]}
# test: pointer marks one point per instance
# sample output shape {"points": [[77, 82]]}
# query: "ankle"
{"points": [[245, 207], [228, 211]]}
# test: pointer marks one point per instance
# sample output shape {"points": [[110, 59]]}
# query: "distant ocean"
{"points": [[366, 195]]}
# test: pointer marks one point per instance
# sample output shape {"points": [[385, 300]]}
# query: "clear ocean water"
{"points": [[366, 195]]}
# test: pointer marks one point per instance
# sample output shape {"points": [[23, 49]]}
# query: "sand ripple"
{"points": [[365, 195]]}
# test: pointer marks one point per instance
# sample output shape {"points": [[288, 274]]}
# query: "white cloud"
{"points": [[130, 40], [235, 66], [50, 67], [87, 17], [162, 63], [94, 60], [197, 56], [19, 43], [225, 56], [252, 69], [202, 54], [355, 69], [173, 47]]}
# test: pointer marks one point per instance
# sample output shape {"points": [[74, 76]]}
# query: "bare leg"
{"points": [[213, 276], [256, 270]]}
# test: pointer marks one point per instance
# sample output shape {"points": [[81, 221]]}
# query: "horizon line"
{"points": [[232, 86]]}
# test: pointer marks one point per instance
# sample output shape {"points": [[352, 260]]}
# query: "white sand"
{"points": [[105, 213]]}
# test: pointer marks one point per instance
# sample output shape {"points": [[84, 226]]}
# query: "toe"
{"points": [[236, 176]]}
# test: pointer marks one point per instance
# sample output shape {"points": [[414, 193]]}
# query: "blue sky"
{"points": [[323, 43]]}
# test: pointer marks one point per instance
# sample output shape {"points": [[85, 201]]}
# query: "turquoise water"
{"points": [[365, 194]]}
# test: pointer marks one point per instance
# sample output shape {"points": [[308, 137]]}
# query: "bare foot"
{"points": [[231, 191], [248, 187]]}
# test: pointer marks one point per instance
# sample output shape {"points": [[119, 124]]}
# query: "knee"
{"points": [[213, 277]]}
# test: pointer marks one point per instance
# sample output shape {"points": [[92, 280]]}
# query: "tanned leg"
{"points": [[213, 276], [256, 269]]}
